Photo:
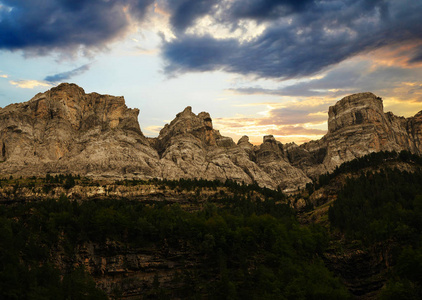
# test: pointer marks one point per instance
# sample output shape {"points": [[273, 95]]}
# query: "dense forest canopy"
{"points": [[249, 249], [386, 208]]}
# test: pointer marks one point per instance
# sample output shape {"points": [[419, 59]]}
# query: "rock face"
{"points": [[271, 158], [65, 130], [357, 125], [189, 147]]}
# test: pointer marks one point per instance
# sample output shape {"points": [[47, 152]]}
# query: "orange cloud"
{"points": [[253, 128], [161, 11], [394, 55], [294, 121]]}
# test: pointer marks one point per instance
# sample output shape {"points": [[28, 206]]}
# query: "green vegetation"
{"points": [[372, 160], [243, 243], [193, 184], [246, 249], [26, 271], [386, 207]]}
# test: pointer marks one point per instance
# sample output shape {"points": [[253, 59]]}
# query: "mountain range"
{"points": [[66, 130]]}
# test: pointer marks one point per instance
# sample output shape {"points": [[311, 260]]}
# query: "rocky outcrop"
{"points": [[362, 271], [65, 130], [190, 147], [414, 129], [134, 272], [357, 125], [271, 158]]}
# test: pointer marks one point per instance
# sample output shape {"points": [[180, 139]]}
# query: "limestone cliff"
{"points": [[191, 148], [270, 158], [357, 125], [65, 130]]}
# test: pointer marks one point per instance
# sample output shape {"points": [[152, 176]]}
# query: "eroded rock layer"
{"points": [[65, 130], [357, 125]]}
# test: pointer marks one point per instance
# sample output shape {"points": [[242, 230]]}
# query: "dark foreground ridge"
{"points": [[65, 130]]}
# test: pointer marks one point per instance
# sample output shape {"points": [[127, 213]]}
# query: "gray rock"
{"points": [[357, 125], [65, 130]]}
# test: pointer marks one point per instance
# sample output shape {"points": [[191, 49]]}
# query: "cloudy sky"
{"points": [[257, 66]]}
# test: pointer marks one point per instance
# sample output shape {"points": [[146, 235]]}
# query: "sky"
{"points": [[258, 67]]}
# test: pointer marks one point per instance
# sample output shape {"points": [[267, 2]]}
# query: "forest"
{"points": [[386, 207], [249, 249], [245, 246]]}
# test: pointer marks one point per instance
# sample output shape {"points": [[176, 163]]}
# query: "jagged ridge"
{"points": [[65, 130]]}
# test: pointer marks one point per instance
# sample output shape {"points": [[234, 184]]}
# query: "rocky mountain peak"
{"points": [[71, 105], [187, 123], [62, 93], [357, 125], [244, 140], [269, 139], [67, 130], [270, 148], [418, 115], [355, 109], [69, 88], [186, 111]]}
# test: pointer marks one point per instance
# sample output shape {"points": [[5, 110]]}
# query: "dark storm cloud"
{"points": [[267, 9], [45, 25], [417, 56], [294, 90], [185, 12], [198, 53], [300, 39], [345, 79], [61, 77], [415, 89]]}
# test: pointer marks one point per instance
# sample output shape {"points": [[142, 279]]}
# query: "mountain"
{"points": [[65, 130], [357, 125]]}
